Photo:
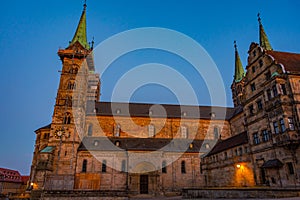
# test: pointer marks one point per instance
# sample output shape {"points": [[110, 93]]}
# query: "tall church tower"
{"points": [[237, 87], [55, 163]]}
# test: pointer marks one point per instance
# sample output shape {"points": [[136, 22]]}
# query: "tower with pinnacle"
{"points": [[56, 159]]}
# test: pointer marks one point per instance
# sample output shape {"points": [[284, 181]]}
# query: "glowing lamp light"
{"points": [[238, 166], [31, 184]]}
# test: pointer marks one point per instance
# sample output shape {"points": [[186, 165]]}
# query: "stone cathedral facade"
{"points": [[133, 148]]}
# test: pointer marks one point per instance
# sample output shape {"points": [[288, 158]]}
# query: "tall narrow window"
{"points": [[283, 89], [84, 165], [251, 109], [104, 166], [184, 131], [123, 167], [259, 105], [240, 151], [265, 135], [291, 124], [276, 128], [282, 125], [253, 88], [67, 118], [225, 155], [290, 168], [274, 89], [216, 133], [269, 95], [256, 138], [183, 171], [117, 130], [90, 130], [151, 130], [71, 86], [164, 167]]}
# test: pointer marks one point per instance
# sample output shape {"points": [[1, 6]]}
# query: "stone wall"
{"points": [[239, 193]]}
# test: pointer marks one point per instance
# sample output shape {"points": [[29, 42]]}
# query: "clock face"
{"points": [[59, 133]]}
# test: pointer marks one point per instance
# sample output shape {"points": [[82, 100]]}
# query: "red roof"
{"points": [[290, 61], [8, 175], [25, 179]]}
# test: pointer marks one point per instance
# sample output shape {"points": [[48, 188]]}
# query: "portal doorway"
{"points": [[144, 184]]}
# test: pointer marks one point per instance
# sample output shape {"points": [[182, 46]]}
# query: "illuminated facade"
{"points": [[89, 144]]}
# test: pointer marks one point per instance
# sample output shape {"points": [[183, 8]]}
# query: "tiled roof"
{"points": [[275, 163], [172, 111], [44, 127], [140, 144], [8, 175], [290, 61], [229, 143]]}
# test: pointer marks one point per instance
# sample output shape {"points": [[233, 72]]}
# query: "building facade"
{"points": [[12, 183], [266, 98], [138, 148]]}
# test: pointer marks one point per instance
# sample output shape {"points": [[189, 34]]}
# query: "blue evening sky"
{"points": [[31, 32]]}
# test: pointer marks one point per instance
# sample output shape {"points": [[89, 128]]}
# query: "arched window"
{"points": [[67, 118], [71, 85], [90, 130], [164, 167], [184, 131], [183, 171], [123, 167], [103, 166], [117, 130], [216, 133], [84, 165], [151, 130]]}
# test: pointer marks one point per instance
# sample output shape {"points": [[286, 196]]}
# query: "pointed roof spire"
{"points": [[239, 69], [263, 38], [80, 34]]}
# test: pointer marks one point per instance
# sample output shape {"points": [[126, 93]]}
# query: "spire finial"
{"points": [[235, 47], [258, 18], [263, 38], [239, 69], [84, 5]]}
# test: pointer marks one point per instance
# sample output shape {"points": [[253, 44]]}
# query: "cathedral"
{"points": [[96, 147]]}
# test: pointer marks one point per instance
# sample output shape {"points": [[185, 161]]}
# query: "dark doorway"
{"points": [[144, 184], [263, 176]]}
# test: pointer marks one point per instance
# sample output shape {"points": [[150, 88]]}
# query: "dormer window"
{"points": [[184, 114], [150, 112], [212, 115], [207, 146], [96, 143], [118, 111], [253, 69]]}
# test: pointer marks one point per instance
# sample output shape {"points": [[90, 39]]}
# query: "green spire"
{"points": [[239, 69], [263, 38], [80, 34]]}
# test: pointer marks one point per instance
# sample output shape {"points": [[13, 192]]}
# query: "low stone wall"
{"points": [[239, 193], [80, 195]]}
